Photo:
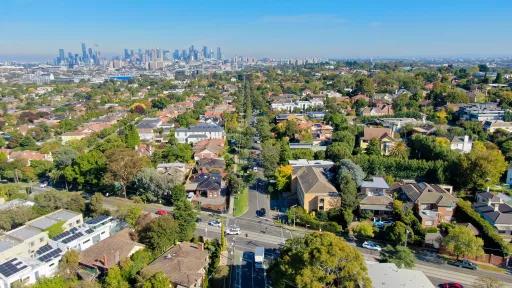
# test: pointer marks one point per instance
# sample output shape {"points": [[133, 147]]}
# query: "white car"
{"points": [[372, 246], [233, 231], [215, 223]]}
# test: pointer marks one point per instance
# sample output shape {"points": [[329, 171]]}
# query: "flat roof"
{"points": [[387, 275], [24, 232]]}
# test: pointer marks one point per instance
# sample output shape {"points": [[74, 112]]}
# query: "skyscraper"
{"points": [[62, 56], [205, 52], [219, 54], [84, 51]]}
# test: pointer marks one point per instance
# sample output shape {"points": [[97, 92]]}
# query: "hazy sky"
{"points": [[278, 28]]}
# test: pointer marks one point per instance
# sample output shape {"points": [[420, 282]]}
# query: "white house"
{"points": [[461, 144], [199, 132]]}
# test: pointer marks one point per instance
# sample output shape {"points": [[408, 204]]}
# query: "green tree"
{"points": [[122, 166], [364, 230], [283, 177], [462, 242], [270, 155], [114, 279], [319, 260], [160, 234], [158, 280], [338, 151], [68, 265], [400, 150], [347, 166], [131, 136], [152, 185], [131, 214], [185, 215], [348, 195], [397, 233], [53, 282], [96, 205], [401, 256], [373, 147]]}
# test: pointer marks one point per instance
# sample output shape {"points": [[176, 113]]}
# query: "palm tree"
{"points": [[400, 150]]}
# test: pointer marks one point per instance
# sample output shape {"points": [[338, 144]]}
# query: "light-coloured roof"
{"points": [[24, 232], [377, 182], [387, 275]]}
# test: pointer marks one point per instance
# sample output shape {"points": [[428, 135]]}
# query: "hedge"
{"points": [[465, 213], [304, 219]]}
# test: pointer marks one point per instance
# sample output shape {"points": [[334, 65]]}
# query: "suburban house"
{"points": [[211, 165], [26, 155], [492, 126], [146, 128], [462, 144], [384, 135], [321, 132], [314, 191], [387, 275], [26, 253], [199, 132], [176, 169], [375, 197], [378, 110], [109, 252], [324, 164], [481, 112], [497, 210], [207, 185], [185, 264], [433, 202], [291, 106], [208, 148]]}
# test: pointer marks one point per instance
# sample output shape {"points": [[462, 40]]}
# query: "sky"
{"points": [[273, 28]]}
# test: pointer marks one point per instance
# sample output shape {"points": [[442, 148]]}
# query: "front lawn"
{"points": [[241, 203]]}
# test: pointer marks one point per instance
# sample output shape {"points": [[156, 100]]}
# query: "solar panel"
{"points": [[72, 237], [65, 234], [97, 220], [50, 255], [44, 249], [89, 231], [11, 267]]}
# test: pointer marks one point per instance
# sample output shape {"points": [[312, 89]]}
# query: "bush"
{"points": [[305, 219], [465, 213], [431, 230]]}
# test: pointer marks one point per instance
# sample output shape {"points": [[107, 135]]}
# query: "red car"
{"points": [[162, 212], [451, 285]]}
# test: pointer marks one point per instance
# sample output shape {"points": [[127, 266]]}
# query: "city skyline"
{"points": [[286, 29]]}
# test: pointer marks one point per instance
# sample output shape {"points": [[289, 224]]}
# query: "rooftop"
{"points": [[387, 275]]}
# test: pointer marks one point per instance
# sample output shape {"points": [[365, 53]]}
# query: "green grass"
{"points": [[241, 203]]}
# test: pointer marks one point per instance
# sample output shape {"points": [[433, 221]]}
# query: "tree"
{"points": [[373, 147], [348, 195], [363, 229], [283, 177], [160, 234], [131, 213], [64, 157], [400, 150], [96, 204], [122, 166], [55, 229], [488, 282], [462, 242], [483, 166], [319, 260], [270, 157], [338, 151], [115, 279], [159, 103], [152, 185], [68, 265], [53, 282], [178, 193], [397, 233], [347, 166], [158, 280], [401, 256], [185, 215], [27, 142], [131, 136], [87, 170]]}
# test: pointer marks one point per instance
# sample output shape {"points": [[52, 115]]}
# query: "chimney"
{"points": [[496, 207]]}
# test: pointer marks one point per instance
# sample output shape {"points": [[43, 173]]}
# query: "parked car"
{"points": [[464, 263], [261, 213], [215, 223], [162, 212], [372, 246], [43, 184], [233, 231], [382, 223], [451, 285]]}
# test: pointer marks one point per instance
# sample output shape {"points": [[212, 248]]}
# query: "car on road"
{"points": [[215, 223], [261, 212], [43, 184], [451, 285], [464, 263], [233, 231], [371, 246]]}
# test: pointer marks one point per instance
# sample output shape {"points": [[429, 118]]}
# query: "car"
{"points": [[451, 285], [233, 231], [43, 185], [262, 212], [215, 223], [382, 223], [371, 246], [162, 212], [464, 263]]}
